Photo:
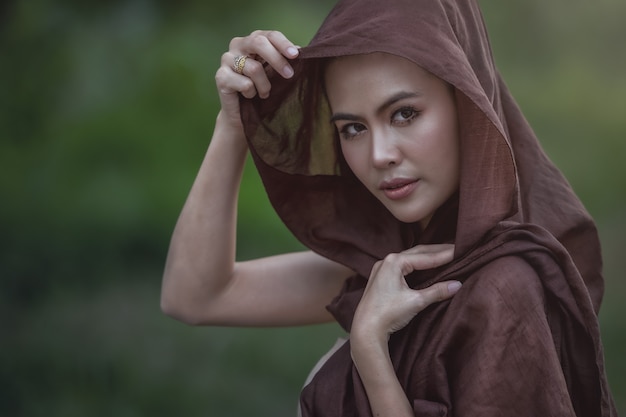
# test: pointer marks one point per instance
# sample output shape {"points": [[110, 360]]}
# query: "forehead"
{"points": [[363, 77]]}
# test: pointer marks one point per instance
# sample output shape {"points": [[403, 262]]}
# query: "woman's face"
{"points": [[398, 130]]}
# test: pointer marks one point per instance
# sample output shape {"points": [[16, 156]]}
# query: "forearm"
{"points": [[201, 256], [385, 394]]}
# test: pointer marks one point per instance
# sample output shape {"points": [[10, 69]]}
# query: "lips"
{"points": [[398, 188]]}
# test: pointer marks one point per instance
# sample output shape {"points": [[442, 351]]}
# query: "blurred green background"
{"points": [[106, 109]]}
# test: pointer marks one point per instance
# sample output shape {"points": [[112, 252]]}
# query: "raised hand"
{"points": [[242, 69], [388, 303]]}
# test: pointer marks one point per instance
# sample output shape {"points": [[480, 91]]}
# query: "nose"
{"points": [[385, 151]]}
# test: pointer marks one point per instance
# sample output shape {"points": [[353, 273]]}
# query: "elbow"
{"points": [[175, 302], [178, 313], [186, 300], [169, 308], [180, 310]]}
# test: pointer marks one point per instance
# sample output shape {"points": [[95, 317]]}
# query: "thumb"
{"points": [[438, 292]]}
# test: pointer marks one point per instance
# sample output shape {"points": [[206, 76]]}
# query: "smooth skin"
{"points": [[399, 131], [203, 284]]}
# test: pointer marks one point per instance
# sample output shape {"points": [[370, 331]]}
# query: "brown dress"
{"points": [[521, 338]]}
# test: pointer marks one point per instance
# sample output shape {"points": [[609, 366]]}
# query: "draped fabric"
{"points": [[521, 337]]}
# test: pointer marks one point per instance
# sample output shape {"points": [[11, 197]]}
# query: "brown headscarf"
{"points": [[521, 337]]}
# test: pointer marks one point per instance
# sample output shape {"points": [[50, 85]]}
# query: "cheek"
{"points": [[356, 159], [348, 154]]}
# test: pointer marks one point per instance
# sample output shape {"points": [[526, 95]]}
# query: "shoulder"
{"points": [[500, 348], [505, 284]]}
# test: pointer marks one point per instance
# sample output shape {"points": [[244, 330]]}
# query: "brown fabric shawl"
{"points": [[521, 338]]}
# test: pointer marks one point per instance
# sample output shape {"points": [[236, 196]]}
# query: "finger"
{"points": [[283, 44], [276, 37], [254, 70], [439, 247], [271, 47], [437, 292], [376, 267], [410, 262], [229, 82], [251, 81], [413, 259]]}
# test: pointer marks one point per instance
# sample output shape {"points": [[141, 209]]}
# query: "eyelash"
{"points": [[404, 121], [414, 114]]}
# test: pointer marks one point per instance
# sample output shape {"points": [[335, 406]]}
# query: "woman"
{"points": [[387, 140]]}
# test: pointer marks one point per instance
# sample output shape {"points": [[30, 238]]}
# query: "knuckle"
{"points": [[391, 258], [274, 35], [258, 41], [440, 293], [219, 76], [421, 301], [247, 85], [222, 76], [247, 89], [398, 262], [225, 58], [417, 249], [254, 68], [234, 42], [376, 268]]}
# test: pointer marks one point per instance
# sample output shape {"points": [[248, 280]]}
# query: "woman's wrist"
{"points": [[367, 344], [230, 133], [370, 354]]}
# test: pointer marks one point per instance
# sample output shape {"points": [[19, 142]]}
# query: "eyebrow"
{"points": [[401, 95]]}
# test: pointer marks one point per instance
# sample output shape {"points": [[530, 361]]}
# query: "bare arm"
{"points": [[388, 304], [202, 283]]}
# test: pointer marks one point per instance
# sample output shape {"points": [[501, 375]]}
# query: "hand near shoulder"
{"points": [[261, 48], [388, 303]]}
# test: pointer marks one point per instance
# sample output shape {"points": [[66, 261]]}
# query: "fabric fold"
{"points": [[515, 222]]}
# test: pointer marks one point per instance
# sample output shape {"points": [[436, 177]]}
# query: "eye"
{"points": [[351, 130], [404, 115]]}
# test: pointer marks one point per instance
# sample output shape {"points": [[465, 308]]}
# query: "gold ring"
{"points": [[240, 62]]}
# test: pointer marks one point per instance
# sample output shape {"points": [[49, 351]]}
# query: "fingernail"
{"points": [[292, 51], [454, 286], [288, 71]]}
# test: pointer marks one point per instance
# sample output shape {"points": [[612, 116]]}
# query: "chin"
{"points": [[406, 216]]}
